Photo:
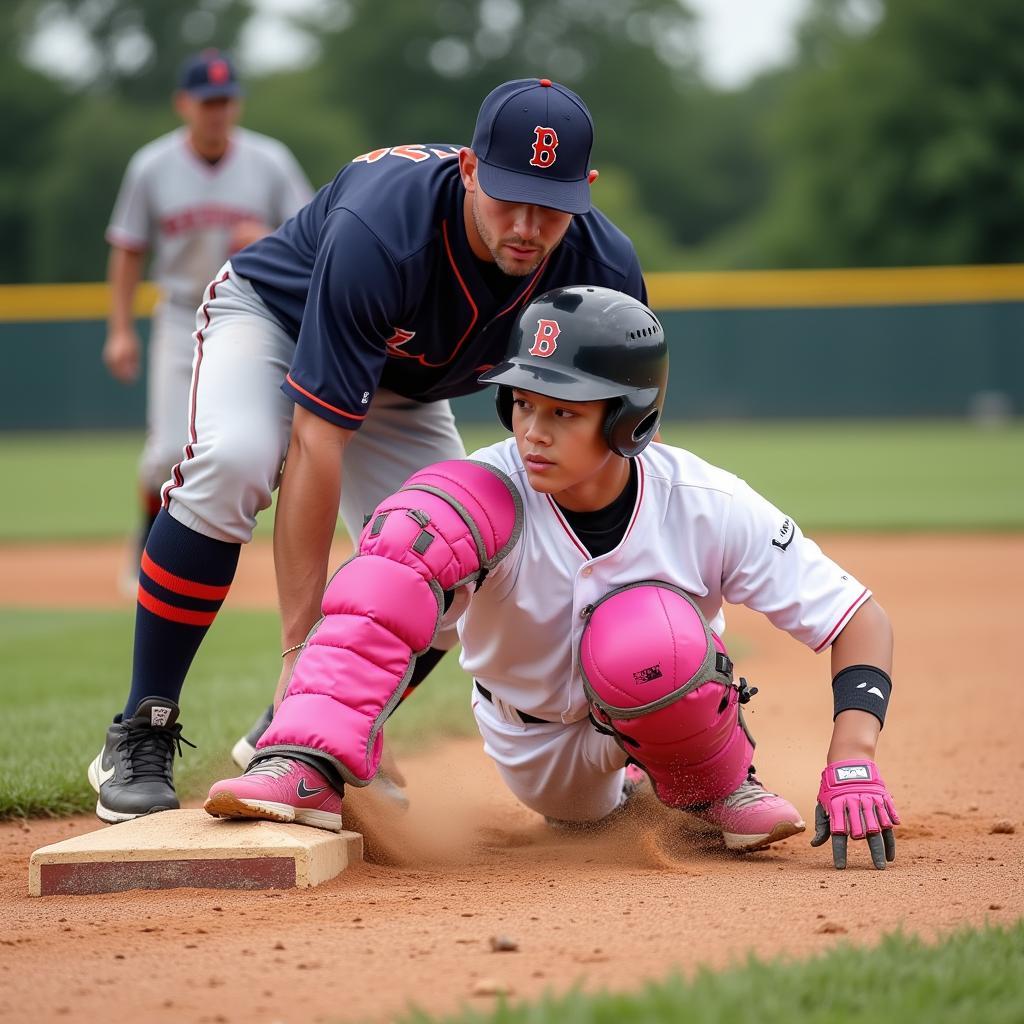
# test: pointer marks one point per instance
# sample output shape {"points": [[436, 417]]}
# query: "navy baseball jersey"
{"points": [[376, 280]]}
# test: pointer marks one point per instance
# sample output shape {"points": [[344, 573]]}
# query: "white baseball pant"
{"points": [[566, 771], [168, 376], [240, 424]]}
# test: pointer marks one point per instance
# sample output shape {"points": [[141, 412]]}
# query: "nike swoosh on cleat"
{"points": [[304, 793], [103, 774]]}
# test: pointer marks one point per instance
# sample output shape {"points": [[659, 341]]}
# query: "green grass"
{"points": [[865, 475], [971, 976], [65, 674], [68, 486], [860, 475]]}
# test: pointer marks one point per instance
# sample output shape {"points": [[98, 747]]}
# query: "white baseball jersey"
{"points": [[185, 208], [694, 525]]}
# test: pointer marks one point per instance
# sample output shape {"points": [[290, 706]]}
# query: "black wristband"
{"points": [[861, 688]]}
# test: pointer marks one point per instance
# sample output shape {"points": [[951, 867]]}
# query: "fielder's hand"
{"points": [[121, 355], [853, 802], [245, 232]]}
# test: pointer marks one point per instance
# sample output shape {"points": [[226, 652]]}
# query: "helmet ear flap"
{"points": [[630, 425], [503, 403], [613, 424]]}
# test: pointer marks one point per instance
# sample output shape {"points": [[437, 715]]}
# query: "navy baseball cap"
{"points": [[209, 75], [532, 141]]}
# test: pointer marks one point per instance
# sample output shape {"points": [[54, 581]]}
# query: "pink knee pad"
{"points": [[448, 526], [661, 682]]}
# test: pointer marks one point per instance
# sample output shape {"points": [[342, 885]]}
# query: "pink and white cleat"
{"points": [[752, 818], [635, 779], [278, 789]]}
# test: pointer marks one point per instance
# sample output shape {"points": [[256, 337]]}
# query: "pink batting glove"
{"points": [[853, 801]]}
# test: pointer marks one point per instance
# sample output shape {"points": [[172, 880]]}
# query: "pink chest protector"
{"points": [[660, 681]]}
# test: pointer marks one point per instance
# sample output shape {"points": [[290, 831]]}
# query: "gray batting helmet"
{"points": [[586, 343]]}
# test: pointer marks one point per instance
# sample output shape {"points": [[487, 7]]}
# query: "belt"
{"points": [[523, 716]]}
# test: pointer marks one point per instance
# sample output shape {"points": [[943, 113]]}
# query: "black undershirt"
{"points": [[602, 531], [499, 284]]}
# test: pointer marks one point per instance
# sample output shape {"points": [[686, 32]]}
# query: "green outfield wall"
{"points": [[935, 341]]}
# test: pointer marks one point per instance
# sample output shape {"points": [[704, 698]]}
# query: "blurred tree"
{"points": [[615, 195], [32, 106], [681, 160], [410, 71], [66, 139], [292, 106], [417, 68], [74, 192], [135, 47], [900, 141]]}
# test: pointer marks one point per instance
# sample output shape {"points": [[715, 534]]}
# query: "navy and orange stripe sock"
{"points": [[184, 580]]}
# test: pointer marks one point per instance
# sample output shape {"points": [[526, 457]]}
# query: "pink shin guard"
{"points": [[449, 525], [661, 682]]}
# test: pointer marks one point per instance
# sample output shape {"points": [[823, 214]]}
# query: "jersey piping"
{"points": [[176, 477], [563, 522], [529, 289], [465, 291], [320, 401], [843, 620]]}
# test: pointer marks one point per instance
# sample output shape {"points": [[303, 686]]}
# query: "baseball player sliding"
{"points": [[587, 567]]}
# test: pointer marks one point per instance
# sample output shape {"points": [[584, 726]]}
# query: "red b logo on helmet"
{"points": [[544, 146], [545, 340]]}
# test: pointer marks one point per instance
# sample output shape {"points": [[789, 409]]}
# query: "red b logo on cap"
{"points": [[545, 340], [219, 72], [544, 146]]}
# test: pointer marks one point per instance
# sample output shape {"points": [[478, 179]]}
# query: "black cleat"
{"points": [[134, 772]]}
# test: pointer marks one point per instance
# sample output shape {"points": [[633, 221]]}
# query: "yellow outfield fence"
{"points": [[893, 286], [53, 302], [743, 289]]}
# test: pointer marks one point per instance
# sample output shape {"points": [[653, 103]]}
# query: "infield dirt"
{"points": [[605, 911]]}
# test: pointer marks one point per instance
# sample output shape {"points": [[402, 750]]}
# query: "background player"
{"points": [[384, 297], [576, 511], [193, 197]]}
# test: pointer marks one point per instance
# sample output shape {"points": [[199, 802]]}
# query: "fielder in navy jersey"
{"points": [[337, 340], [378, 281]]}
